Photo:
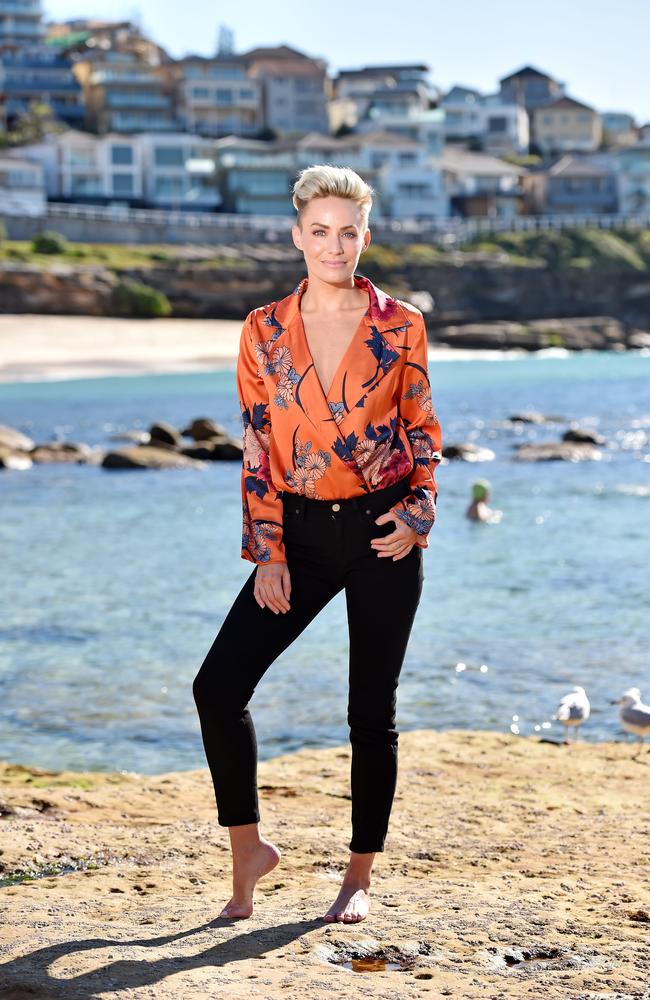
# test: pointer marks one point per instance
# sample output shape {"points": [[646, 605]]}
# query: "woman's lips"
{"points": [[334, 263]]}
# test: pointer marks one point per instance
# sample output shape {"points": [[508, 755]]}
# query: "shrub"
{"points": [[134, 298], [422, 253], [49, 242]]}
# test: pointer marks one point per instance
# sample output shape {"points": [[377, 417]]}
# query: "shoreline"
{"points": [[35, 348], [509, 862]]}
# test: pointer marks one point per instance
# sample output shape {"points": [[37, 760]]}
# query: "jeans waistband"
{"points": [[377, 501]]}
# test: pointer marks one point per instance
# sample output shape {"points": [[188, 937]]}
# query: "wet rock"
{"points": [[13, 439], [61, 451], [203, 429], [533, 417], [163, 433], [582, 435], [17, 460], [639, 339], [217, 449], [567, 451], [148, 457], [466, 451]]}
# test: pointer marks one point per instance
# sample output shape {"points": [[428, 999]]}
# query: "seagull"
{"points": [[634, 715], [573, 710]]}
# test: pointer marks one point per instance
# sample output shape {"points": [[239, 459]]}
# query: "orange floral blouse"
{"points": [[375, 426]]}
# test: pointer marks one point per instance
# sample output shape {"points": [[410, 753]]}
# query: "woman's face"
{"points": [[332, 237]]}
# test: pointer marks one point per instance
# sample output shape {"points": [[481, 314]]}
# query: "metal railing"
{"points": [[450, 232]]}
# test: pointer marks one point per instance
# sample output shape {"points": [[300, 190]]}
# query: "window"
{"points": [[122, 156], [169, 185], [122, 183], [406, 159], [81, 158], [168, 156], [224, 95], [497, 124]]}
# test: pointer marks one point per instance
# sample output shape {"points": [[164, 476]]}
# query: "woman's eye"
{"points": [[321, 232]]}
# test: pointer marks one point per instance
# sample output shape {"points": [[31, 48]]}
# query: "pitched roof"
{"points": [[576, 166], [565, 102], [526, 71], [467, 161]]}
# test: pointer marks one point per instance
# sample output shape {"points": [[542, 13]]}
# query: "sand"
{"points": [[514, 867], [36, 348]]}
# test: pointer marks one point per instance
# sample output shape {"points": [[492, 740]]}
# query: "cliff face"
{"points": [[468, 292]]}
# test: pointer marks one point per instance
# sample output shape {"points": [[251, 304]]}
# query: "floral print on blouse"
{"points": [[375, 426]]}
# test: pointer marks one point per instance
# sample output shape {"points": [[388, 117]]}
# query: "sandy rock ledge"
{"points": [[514, 867]]}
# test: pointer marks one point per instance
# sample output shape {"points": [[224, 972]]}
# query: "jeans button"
{"points": [[336, 506], [367, 511]]}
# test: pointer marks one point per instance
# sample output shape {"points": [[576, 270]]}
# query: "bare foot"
{"points": [[350, 906], [248, 867]]}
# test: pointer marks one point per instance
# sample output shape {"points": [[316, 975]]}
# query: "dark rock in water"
{"points": [[533, 417], [11, 438], [10, 459], [466, 451], [61, 451], [216, 449], [148, 457], [165, 433], [581, 435], [204, 428], [139, 437], [567, 451], [167, 445]]}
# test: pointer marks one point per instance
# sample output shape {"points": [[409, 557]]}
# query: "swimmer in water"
{"points": [[478, 509]]}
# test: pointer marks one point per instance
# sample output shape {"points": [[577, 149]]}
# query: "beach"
{"points": [[34, 347], [513, 867]]}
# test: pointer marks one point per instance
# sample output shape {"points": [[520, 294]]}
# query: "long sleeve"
{"points": [[262, 505], [422, 428]]}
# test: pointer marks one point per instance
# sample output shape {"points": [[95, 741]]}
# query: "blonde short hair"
{"points": [[324, 179]]}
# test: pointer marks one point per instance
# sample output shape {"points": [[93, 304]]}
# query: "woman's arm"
{"points": [[262, 506], [418, 509]]}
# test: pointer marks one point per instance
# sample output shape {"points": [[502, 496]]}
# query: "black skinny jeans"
{"points": [[327, 549]]}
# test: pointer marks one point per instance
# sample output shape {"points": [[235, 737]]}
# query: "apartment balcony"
{"points": [[123, 78], [26, 8], [140, 123], [22, 30], [137, 101], [35, 86]]}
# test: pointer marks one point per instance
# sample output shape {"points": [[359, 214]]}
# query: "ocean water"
{"points": [[114, 584]]}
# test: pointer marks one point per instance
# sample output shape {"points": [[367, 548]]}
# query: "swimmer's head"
{"points": [[480, 489]]}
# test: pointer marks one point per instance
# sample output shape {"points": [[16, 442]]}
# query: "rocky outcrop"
{"points": [[467, 451], [148, 457], [13, 439], [477, 302], [162, 447], [566, 451]]}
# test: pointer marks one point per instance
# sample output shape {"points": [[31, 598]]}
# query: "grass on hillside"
{"points": [[582, 248]]}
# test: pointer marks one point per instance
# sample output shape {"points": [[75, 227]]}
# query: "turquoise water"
{"points": [[114, 584]]}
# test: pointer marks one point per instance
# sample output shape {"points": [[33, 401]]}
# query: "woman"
{"points": [[340, 446]]}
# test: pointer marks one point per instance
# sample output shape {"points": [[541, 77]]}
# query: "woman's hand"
{"points": [[273, 586], [400, 541]]}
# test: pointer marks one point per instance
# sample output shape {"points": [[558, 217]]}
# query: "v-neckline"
{"points": [[353, 339]]}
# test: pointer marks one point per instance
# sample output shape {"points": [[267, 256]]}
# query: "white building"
{"points": [[154, 169], [480, 185], [498, 125], [22, 186]]}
